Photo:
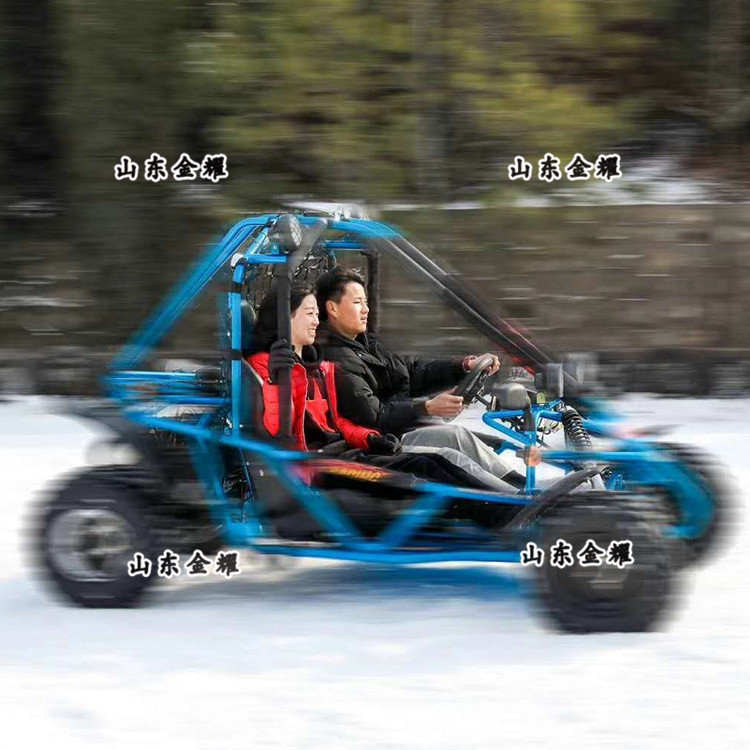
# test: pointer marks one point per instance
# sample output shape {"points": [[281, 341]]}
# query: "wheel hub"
{"points": [[91, 544]]}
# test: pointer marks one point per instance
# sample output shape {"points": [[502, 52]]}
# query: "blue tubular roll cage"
{"points": [[524, 439], [142, 394], [248, 245], [185, 292], [645, 462]]}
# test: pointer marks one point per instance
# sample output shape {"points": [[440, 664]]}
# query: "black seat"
{"points": [[251, 386], [277, 507], [251, 402]]}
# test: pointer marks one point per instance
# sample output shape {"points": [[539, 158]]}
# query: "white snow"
{"points": [[331, 655]]}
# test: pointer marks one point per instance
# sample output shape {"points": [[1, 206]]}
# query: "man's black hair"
{"points": [[332, 285]]}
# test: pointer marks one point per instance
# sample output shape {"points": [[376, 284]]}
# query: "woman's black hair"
{"points": [[267, 324]]}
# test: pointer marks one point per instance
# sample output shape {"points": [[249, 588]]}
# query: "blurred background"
{"points": [[416, 107]]}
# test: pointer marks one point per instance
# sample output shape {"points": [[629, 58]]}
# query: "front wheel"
{"points": [[607, 597], [88, 532], [700, 548]]}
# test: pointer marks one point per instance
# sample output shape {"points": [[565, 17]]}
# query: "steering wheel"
{"points": [[471, 386]]}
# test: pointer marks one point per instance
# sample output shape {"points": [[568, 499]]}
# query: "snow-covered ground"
{"points": [[350, 656]]}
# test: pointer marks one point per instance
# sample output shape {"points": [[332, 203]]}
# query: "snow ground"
{"points": [[351, 656]]}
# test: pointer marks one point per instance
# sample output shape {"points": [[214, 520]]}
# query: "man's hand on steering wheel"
{"points": [[450, 403], [444, 405], [473, 382], [468, 362]]}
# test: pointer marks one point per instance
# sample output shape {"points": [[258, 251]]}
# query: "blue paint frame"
{"points": [[637, 463], [141, 395]]}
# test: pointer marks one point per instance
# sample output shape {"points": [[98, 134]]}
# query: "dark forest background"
{"points": [[417, 103]]}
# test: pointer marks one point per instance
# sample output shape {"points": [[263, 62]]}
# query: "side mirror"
{"points": [[511, 397], [287, 232]]}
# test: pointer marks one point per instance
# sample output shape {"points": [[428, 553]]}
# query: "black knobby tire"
{"points": [[699, 549], [89, 530], [606, 598]]}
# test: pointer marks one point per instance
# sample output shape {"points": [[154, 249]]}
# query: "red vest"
{"points": [[324, 412]]}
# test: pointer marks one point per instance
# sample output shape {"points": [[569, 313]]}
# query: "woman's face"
{"points": [[305, 322]]}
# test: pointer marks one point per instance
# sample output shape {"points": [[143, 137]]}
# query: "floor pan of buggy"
{"points": [[370, 498]]}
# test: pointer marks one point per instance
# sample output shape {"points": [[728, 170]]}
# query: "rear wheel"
{"points": [[88, 532], [607, 597]]}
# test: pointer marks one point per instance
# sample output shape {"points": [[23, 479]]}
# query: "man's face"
{"points": [[349, 317]]}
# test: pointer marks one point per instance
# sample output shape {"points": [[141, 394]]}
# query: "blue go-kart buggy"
{"points": [[188, 465]]}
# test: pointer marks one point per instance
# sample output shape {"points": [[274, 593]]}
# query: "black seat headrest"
{"points": [[247, 315]]}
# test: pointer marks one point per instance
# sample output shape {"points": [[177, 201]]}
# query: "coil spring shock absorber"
{"points": [[578, 436], [575, 430]]}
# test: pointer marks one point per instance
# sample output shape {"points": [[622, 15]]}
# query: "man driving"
{"points": [[394, 393]]}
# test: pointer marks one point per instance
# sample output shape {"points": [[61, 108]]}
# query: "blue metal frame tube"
{"points": [[184, 293]]}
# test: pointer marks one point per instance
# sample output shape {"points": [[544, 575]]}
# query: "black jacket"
{"points": [[379, 389]]}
